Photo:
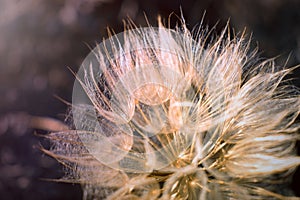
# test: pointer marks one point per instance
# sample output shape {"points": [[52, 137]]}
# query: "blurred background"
{"points": [[39, 39]]}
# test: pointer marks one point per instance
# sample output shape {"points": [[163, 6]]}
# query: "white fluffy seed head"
{"points": [[164, 114]]}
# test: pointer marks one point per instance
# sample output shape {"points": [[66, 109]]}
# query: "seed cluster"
{"points": [[165, 114]]}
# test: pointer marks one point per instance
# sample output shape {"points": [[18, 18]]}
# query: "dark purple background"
{"points": [[40, 39]]}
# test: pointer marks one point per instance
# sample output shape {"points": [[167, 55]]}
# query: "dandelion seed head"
{"points": [[164, 114]]}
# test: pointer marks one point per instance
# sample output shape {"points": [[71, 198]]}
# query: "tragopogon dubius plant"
{"points": [[163, 113]]}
